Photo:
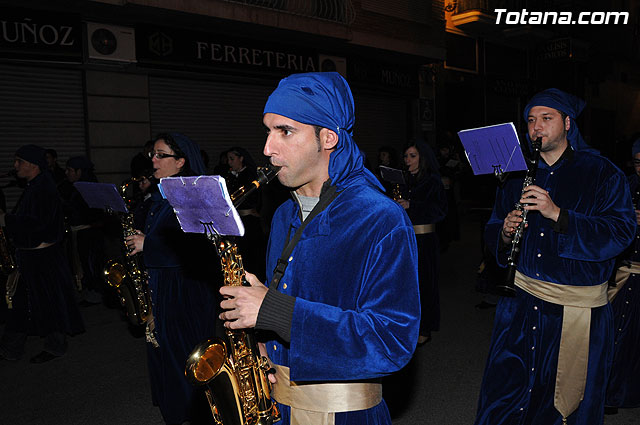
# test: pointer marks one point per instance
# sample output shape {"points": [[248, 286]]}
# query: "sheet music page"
{"points": [[200, 200], [493, 149], [102, 196]]}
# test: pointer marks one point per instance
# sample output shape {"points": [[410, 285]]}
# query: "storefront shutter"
{"points": [[217, 115], [43, 106]]}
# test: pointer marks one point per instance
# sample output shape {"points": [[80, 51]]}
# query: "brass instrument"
{"points": [[508, 287], [129, 277], [234, 372], [9, 268]]}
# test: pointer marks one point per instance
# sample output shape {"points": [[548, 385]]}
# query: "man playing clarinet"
{"points": [[552, 342]]}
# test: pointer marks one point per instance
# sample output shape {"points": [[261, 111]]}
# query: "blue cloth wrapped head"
{"points": [[567, 103], [324, 99], [191, 151]]}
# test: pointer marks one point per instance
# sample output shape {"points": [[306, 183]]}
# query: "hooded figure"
{"points": [[579, 219], [181, 274], [571, 105], [343, 303]]}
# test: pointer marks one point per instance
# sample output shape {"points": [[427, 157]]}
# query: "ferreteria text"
{"points": [[525, 17]]}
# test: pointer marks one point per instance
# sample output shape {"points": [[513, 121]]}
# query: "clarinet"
{"points": [[508, 288]]}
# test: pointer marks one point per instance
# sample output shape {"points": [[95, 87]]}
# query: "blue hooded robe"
{"points": [[354, 270], [519, 378], [184, 299]]}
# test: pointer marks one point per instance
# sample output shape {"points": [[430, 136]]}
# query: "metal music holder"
{"points": [[202, 205], [493, 149], [103, 196]]}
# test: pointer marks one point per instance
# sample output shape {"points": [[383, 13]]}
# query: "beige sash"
{"points": [[316, 404], [573, 354], [421, 229], [622, 275]]}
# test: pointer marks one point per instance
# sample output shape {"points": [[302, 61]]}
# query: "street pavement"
{"points": [[103, 377]]}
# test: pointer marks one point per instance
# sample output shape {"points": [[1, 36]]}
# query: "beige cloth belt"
{"points": [[421, 229], [622, 275], [41, 246], [251, 211], [573, 354], [316, 404]]}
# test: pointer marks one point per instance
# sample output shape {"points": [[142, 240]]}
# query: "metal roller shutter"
{"points": [[380, 121], [44, 106], [217, 115]]}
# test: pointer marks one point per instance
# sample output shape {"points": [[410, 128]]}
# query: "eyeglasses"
{"points": [[161, 155]]}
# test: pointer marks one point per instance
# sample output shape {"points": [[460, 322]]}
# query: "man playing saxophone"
{"points": [[43, 303], [342, 300], [552, 342]]}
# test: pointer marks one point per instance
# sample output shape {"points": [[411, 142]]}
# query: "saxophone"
{"points": [[129, 277], [9, 268], [234, 372]]}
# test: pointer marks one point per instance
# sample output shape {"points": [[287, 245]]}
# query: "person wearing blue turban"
{"points": [[40, 290], [181, 283], [342, 298], [623, 390], [552, 342]]}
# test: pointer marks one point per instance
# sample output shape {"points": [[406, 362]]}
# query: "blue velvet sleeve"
{"points": [[604, 233], [374, 339]]}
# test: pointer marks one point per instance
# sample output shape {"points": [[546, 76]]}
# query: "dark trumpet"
{"points": [[508, 288], [11, 173]]}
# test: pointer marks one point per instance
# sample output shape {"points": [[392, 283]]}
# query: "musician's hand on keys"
{"points": [[135, 242], [242, 303], [271, 373], [511, 221], [403, 203], [538, 199]]}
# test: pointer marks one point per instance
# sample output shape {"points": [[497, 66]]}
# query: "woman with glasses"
{"points": [[183, 293]]}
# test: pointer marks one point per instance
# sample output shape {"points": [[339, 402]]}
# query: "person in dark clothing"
{"points": [[43, 303], [182, 281], [425, 201], [52, 165], [86, 248], [242, 171]]}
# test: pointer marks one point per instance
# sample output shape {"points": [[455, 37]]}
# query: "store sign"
{"points": [[398, 77], [167, 45], [27, 34]]}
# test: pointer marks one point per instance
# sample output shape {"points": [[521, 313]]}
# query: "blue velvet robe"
{"points": [[519, 379], [182, 269], [428, 205], [624, 381], [357, 309]]}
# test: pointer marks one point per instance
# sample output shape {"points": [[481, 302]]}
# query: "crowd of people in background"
{"points": [[62, 247]]}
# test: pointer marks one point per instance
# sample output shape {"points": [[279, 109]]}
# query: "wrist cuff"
{"points": [[276, 313]]}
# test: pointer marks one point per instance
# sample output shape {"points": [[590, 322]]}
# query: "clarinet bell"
{"points": [[508, 288]]}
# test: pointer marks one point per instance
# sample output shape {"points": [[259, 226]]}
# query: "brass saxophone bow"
{"points": [[233, 371], [129, 277]]}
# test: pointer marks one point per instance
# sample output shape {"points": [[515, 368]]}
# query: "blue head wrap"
{"points": [[324, 99], [567, 103], [191, 151], [635, 148]]}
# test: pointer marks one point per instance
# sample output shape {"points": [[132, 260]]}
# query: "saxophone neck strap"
{"points": [[326, 197]]}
